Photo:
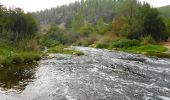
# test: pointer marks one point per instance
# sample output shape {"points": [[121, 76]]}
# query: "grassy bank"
{"points": [[150, 50], [135, 46], [9, 56], [61, 49]]}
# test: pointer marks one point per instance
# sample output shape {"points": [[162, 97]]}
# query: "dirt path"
{"points": [[167, 45]]}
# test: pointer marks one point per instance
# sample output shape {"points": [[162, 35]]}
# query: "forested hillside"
{"points": [[165, 10], [104, 24], [92, 10]]}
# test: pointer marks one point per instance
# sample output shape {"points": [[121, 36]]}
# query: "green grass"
{"points": [[134, 46], [10, 56], [61, 49], [146, 48], [151, 50]]}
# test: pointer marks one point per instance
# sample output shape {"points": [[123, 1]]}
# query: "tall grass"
{"points": [[14, 56], [61, 49]]}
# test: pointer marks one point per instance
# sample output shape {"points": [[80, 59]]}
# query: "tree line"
{"points": [[123, 18], [15, 25]]}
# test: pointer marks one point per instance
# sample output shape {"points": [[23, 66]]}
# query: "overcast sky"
{"points": [[35, 5]]}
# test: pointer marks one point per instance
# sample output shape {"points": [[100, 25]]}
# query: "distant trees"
{"points": [[136, 20], [165, 10], [77, 22], [91, 10], [101, 26], [121, 18]]}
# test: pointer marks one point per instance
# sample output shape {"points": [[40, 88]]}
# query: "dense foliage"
{"points": [[15, 25], [165, 10], [18, 44], [92, 10]]}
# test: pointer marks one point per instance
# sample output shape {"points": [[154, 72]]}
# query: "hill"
{"points": [[165, 10], [92, 10]]}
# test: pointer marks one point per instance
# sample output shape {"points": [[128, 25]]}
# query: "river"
{"points": [[97, 75]]}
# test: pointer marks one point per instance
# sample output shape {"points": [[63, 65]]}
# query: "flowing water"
{"points": [[98, 75]]}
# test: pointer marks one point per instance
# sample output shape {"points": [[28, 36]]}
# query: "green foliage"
{"points": [[54, 37], [165, 10], [147, 40], [15, 25], [167, 24], [62, 49], [86, 29], [104, 42], [124, 43], [87, 41], [24, 57], [100, 27], [92, 10], [147, 48], [152, 24], [77, 22], [10, 56]]}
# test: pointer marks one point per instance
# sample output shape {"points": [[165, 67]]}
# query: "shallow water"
{"points": [[98, 75]]}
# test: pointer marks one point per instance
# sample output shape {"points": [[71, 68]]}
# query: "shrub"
{"points": [[124, 43], [47, 42], [3, 60], [86, 41], [19, 58], [102, 45], [147, 40]]}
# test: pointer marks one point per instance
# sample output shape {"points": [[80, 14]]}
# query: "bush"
{"points": [[147, 40], [3, 60], [47, 42], [86, 41], [124, 43], [23, 57], [102, 45], [8, 57], [104, 42]]}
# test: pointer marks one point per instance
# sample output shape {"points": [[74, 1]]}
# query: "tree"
{"points": [[151, 21], [77, 22], [101, 26], [15, 25]]}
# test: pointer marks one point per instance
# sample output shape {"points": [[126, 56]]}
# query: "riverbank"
{"points": [[167, 45], [149, 50], [12, 56], [137, 47]]}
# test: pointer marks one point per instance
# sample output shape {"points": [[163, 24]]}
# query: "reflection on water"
{"points": [[16, 77]]}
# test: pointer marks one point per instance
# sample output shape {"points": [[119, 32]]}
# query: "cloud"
{"points": [[157, 3], [34, 5]]}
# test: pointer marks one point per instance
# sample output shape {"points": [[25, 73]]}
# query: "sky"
{"points": [[36, 5]]}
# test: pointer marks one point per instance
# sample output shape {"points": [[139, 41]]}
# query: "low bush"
{"points": [[10, 56], [124, 43], [87, 41], [147, 40]]}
